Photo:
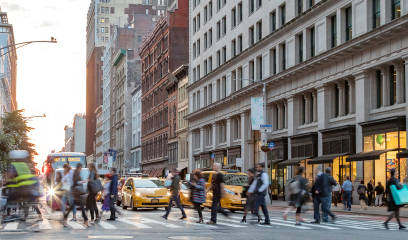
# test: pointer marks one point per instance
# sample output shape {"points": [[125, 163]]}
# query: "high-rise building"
{"points": [[335, 77], [8, 66], [162, 52]]}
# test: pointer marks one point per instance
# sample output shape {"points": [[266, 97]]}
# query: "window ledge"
{"points": [[399, 106], [342, 118], [309, 125], [284, 130]]}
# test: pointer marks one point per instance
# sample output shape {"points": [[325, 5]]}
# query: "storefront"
{"points": [[338, 144], [233, 153], [276, 155], [383, 140]]}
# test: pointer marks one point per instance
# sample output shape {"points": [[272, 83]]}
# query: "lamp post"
{"points": [[22, 44], [36, 116]]}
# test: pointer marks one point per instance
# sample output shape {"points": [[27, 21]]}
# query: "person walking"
{"points": [[331, 182], [259, 187], [249, 205], [217, 188], [361, 190], [106, 194], [198, 193], [379, 192], [175, 195], [93, 190], [79, 195], [391, 204], [370, 192], [297, 188], [323, 186], [347, 190], [316, 199], [113, 191], [336, 194], [67, 182]]}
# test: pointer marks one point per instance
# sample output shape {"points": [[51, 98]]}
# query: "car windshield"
{"points": [[146, 183], [235, 179]]}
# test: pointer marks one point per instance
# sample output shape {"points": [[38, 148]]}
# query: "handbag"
{"points": [[400, 196], [95, 186]]}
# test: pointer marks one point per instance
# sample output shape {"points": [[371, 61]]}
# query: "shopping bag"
{"points": [[400, 196]]}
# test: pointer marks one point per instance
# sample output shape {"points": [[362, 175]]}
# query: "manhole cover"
{"points": [[190, 238], [110, 237]]}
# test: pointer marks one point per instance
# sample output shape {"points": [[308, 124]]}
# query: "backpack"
{"points": [[361, 190], [294, 186]]}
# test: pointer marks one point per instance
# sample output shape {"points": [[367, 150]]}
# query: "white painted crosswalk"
{"points": [[151, 223]]}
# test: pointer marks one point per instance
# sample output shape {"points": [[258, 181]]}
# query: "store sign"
{"points": [[257, 113]]}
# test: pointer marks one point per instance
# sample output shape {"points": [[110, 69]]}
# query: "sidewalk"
{"points": [[379, 211]]}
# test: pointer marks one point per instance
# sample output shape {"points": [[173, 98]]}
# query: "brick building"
{"points": [[161, 54]]}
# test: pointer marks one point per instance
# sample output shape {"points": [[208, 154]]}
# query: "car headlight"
{"points": [[229, 191], [51, 192]]}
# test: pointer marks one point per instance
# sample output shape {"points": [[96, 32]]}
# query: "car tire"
{"points": [[131, 205]]}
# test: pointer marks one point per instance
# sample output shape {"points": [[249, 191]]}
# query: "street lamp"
{"points": [[22, 44], [36, 116]]}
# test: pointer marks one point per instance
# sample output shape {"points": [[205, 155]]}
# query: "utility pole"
{"points": [[264, 139]]}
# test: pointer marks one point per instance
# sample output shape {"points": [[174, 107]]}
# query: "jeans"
{"points": [[316, 208], [216, 207], [72, 207], [68, 197], [112, 207], [176, 199], [93, 209], [260, 202], [347, 199], [326, 204], [378, 200]]}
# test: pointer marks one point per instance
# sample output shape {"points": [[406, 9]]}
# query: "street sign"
{"points": [[266, 128], [271, 145], [212, 156]]}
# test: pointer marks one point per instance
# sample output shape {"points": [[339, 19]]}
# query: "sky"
{"points": [[50, 77]]}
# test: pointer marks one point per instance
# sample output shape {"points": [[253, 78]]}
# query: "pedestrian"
{"points": [[379, 192], [198, 193], [361, 190], [336, 194], [113, 191], [249, 205], [370, 192], [93, 189], [332, 182], [259, 187], [67, 182], [79, 195], [391, 204], [297, 189], [347, 190], [175, 195], [106, 194], [217, 188], [323, 187]]}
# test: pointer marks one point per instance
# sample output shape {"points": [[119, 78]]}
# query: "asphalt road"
{"points": [[148, 224]]}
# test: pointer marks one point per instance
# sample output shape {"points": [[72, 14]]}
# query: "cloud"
{"points": [[12, 7]]}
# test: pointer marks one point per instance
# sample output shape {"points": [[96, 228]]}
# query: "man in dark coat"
{"points": [[113, 190], [322, 191]]}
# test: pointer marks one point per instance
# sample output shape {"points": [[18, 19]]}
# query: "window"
{"points": [[210, 34], [258, 4], [194, 75], [233, 48], [349, 26], [378, 81], [205, 41], [251, 71], [303, 109], [239, 43], [198, 47], [300, 47], [222, 134], [251, 6], [393, 85], [233, 81], [311, 3], [205, 67], [194, 25], [282, 11], [312, 41], [259, 68], [236, 128], [336, 100], [218, 30], [233, 17], [198, 21], [218, 89], [251, 36], [194, 50], [198, 100], [240, 12], [299, 7], [259, 30], [210, 10], [112, 10], [198, 72], [376, 13], [333, 31], [224, 87], [346, 98], [272, 21], [396, 9], [283, 54], [210, 64], [194, 102], [210, 92], [272, 61], [239, 83], [205, 97], [218, 58], [205, 14], [224, 54], [224, 26]]}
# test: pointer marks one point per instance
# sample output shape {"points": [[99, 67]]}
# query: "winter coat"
{"points": [[198, 191]]}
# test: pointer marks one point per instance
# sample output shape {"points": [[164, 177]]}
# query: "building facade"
{"points": [[335, 74], [181, 74], [8, 66], [161, 54], [136, 150]]}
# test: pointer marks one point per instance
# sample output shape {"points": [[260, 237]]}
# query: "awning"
{"points": [[403, 154], [326, 158], [374, 155], [293, 161], [275, 161]]}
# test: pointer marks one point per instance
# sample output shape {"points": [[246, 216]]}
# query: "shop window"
{"points": [[309, 172], [379, 141], [392, 140]]}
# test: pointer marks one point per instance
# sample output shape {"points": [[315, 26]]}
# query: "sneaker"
{"points": [[73, 220], [182, 218], [110, 219], [211, 222], [402, 227], [265, 223], [164, 216], [315, 222]]}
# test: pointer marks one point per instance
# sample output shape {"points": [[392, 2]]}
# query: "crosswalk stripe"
{"points": [[223, 222], [165, 224], [75, 225], [45, 225], [11, 226], [136, 224], [193, 223], [307, 224], [106, 225], [338, 223], [273, 222]]}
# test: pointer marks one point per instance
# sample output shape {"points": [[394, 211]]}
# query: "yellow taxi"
{"points": [[185, 195], [234, 182], [144, 192]]}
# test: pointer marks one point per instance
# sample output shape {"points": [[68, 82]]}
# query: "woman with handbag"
{"points": [[249, 199], [79, 195], [198, 193], [390, 200], [94, 186]]}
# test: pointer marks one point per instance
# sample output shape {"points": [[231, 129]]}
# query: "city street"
{"points": [[148, 224]]}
